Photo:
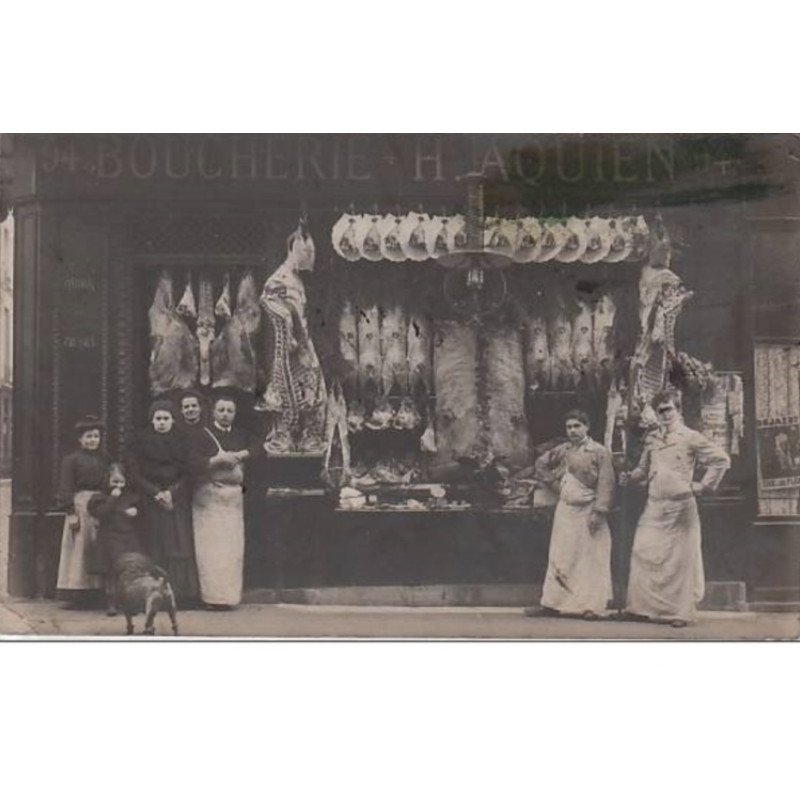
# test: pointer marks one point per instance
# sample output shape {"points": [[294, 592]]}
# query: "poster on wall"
{"points": [[779, 452], [777, 396]]}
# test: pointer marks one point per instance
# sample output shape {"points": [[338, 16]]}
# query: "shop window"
{"points": [[777, 402]]}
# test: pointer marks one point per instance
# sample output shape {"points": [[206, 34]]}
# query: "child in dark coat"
{"points": [[116, 511]]}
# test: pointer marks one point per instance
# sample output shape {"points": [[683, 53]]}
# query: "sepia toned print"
{"points": [[408, 386]]}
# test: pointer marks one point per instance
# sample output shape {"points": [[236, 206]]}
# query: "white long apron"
{"points": [[666, 579], [579, 564], [73, 564]]}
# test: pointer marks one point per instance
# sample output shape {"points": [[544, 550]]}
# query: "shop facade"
{"points": [[107, 225]]}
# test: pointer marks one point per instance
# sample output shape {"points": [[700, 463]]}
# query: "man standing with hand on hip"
{"points": [[667, 580]]}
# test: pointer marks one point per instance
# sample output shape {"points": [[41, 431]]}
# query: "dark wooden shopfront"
{"points": [[98, 216]]}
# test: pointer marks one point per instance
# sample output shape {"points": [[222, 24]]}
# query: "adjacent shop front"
{"points": [[404, 320]]}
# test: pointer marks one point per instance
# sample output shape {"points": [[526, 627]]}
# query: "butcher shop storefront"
{"points": [[404, 320]]}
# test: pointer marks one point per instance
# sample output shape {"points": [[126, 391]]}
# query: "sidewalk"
{"points": [[46, 618]]}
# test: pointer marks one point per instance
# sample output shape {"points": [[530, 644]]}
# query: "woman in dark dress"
{"points": [[159, 473], [83, 472]]}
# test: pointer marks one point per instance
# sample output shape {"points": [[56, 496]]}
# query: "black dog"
{"points": [[141, 587]]}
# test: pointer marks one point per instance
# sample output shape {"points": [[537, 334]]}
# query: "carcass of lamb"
{"points": [[233, 354], [205, 327], [174, 359]]}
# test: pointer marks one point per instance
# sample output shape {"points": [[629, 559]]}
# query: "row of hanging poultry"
{"points": [[419, 236], [205, 339]]}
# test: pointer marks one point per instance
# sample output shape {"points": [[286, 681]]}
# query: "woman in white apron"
{"points": [[218, 507], [83, 473]]}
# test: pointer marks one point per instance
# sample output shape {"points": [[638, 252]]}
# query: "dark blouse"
{"points": [[110, 512], [81, 470], [159, 461]]}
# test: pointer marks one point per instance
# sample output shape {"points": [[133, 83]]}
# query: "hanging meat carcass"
{"points": [[233, 354], [222, 309], [554, 237], [506, 424], [582, 347], [420, 368], [528, 234], [205, 327], [187, 306], [174, 358], [394, 350], [563, 375], [371, 246], [345, 237], [369, 355], [500, 235], [577, 241], [348, 349], [537, 350], [296, 378], [621, 240], [414, 236], [599, 240], [455, 354], [603, 335], [391, 248]]}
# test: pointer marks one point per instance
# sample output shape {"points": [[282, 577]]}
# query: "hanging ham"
{"points": [[174, 358], [233, 355]]}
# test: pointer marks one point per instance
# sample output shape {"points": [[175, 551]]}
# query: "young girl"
{"points": [[83, 473], [116, 511]]}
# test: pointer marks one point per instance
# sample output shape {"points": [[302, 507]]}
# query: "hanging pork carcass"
{"points": [[174, 358], [394, 350], [537, 348], [348, 349], [233, 352], [420, 367], [605, 312], [563, 375], [582, 342], [369, 355]]}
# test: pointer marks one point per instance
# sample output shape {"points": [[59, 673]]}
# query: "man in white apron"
{"points": [[667, 580], [580, 471]]}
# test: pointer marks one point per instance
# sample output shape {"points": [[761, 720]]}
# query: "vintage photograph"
{"points": [[400, 386]]}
